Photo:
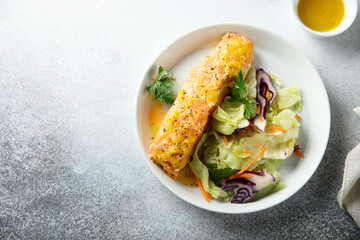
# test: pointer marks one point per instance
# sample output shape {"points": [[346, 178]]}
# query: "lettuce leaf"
{"points": [[287, 97], [202, 172], [228, 117], [219, 138], [279, 147], [286, 119], [279, 150], [251, 85], [270, 166], [275, 79], [231, 115]]}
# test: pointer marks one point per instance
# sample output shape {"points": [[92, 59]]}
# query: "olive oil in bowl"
{"points": [[321, 15]]}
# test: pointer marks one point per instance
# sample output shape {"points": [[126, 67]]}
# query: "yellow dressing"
{"points": [[156, 117], [187, 177], [321, 15]]}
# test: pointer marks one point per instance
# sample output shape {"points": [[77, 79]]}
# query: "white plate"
{"points": [[274, 54]]}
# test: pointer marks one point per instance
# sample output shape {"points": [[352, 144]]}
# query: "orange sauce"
{"points": [[321, 15], [187, 177], [156, 117]]}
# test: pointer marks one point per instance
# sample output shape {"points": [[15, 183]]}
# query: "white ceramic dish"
{"points": [[351, 9], [274, 54]]}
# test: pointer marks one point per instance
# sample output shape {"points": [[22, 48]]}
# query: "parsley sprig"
{"points": [[216, 173], [237, 93], [162, 87]]}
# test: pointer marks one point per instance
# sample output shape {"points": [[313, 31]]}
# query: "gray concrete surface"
{"points": [[69, 164]]}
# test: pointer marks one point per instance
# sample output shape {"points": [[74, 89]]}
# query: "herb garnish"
{"points": [[162, 87], [236, 93], [216, 173]]}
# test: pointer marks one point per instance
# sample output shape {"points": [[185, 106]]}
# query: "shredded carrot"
{"points": [[267, 94], [244, 175], [240, 133], [293, 126], [258, 112], [225, 140], [299, 153], [270, 131], [278, 110], [277, 128], [248, 130], [246, 152], [236, 175], [202, 189], [209, 195], [298, 116]]}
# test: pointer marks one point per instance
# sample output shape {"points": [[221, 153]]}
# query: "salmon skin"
{"points": [[203, 91]]}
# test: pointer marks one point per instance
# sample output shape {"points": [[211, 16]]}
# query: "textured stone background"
{"points": [[69, 164]]}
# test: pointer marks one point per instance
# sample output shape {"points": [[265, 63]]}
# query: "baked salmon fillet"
{"points": [[203, 91]]}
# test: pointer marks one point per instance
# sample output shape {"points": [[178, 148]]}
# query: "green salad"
{"points": [[252, 132]]}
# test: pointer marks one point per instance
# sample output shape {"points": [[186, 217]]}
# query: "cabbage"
{"points": [[271, 166], [261, 179], [244, 188], [270, 188], [287, 97], [264, 86]]}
